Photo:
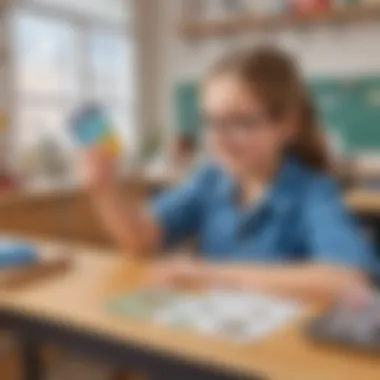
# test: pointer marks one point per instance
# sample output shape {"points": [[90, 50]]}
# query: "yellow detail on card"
{"points": [[112, 145]]}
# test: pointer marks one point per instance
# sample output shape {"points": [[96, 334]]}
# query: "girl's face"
{"points": [[240, 135]]}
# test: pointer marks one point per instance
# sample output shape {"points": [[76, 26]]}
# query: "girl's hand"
{"points": [[179, 272], [98, 170]]}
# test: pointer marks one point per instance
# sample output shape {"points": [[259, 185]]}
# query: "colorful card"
{"points": [[90, 127]]}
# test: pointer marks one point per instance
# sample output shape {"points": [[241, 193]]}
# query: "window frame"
{"points": [[84, 25]]}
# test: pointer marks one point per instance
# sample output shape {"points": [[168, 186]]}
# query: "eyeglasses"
{"points": [[234, 124]]}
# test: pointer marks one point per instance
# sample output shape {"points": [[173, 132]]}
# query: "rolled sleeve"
{"points": [[333, 236], [178, 211]]}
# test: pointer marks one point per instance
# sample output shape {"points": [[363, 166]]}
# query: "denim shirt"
{"points": [[301, 218]]}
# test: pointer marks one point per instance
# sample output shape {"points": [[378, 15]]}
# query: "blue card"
{"points": [[89, 125]]}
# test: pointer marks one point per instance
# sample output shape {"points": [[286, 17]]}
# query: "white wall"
{"points": [[321, 50], [2, 66]]}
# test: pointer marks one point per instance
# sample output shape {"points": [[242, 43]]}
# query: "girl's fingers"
{"points": [[98, 168]]}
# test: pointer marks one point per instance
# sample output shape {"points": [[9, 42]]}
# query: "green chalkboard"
{"points": [[186, 108], [347, 107], [351, 108]]}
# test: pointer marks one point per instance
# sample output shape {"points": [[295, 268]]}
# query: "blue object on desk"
{"points": [[13, 254]]}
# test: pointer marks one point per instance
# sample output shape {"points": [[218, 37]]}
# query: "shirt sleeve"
{"points": [[178, 211], [333, 236]]}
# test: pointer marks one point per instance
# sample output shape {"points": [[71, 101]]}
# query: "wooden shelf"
{"points": [[241, 24]]}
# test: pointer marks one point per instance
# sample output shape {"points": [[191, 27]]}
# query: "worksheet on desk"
{"points": [[237, 316]]}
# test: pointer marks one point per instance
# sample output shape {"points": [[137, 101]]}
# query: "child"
{"points": [[266, 213]]}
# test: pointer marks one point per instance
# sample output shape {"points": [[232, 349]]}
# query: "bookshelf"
{"points": [[249, 22]]}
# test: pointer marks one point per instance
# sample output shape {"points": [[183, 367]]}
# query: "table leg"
{"points": [[30, 359]]}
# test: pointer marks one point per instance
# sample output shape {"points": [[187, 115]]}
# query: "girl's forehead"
{"points": [[228, 92], [226, 80]]}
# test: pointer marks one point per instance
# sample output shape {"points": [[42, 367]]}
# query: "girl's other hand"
{"points": [[178, 272]]}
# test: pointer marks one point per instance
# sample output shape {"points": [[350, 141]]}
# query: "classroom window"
{"points": [[114, 11], [59, 61]]}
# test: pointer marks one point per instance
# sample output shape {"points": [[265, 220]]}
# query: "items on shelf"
{"points": [[267, 7], [345, 3], [311, 6], [369, 3], [212, 9], [218, 9], [274, 14], [6, 181], [223, 8]]}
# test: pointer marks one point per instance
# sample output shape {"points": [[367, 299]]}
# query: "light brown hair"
{"points": [[276, 80]]}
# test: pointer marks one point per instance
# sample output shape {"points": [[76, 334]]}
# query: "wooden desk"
{"points": [[68, 213], [366, 205], [365, 202], [69, 311]]}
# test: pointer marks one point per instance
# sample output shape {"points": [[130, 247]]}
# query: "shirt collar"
{"points": [[286, 186], [227, 187], [280, 195]]}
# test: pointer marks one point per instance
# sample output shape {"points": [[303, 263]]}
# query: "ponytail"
{"points": [[310, 146]]}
